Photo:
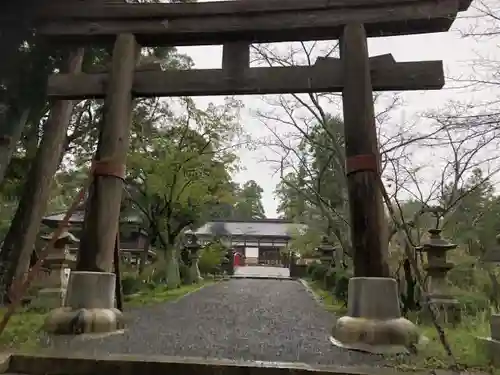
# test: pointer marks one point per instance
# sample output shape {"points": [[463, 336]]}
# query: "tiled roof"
{"points": [[78, 216], [258, 228]]}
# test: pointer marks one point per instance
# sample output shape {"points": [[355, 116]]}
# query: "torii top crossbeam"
{"points": [[253, 21]]}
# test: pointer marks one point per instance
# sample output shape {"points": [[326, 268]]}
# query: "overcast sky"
{"points": [[457, 53]]}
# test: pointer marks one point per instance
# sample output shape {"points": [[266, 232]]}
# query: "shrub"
{"points": [[311, 267], [319, 272], [472, 303], [340, 291], [131, 284], [211, 259], [330, 279]]}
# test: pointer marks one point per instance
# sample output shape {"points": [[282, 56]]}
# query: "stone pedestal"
{"points": [[194, 270], [89, 306], [53, 287], [492, 343], [374, 323], [447, 308]]}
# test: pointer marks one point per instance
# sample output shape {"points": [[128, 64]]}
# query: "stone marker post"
{"points": [[492, 343]]}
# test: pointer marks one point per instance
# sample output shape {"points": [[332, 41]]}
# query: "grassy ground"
{"points": [[161, 294], [23, 329], [468, 353]]}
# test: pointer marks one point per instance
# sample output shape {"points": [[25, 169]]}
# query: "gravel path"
{"points": [[266, 320]]}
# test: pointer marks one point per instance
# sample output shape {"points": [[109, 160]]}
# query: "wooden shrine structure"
{"points": [[259, 241], [237, 24], [134, 242]]}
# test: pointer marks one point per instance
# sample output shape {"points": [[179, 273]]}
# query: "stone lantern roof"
{"points": [[65, 236], [191, 242], [436, 248], [325, 246], [436, 243]]}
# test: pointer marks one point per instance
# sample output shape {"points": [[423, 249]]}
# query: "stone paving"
{"points": [[262, 272], [239, 319]]}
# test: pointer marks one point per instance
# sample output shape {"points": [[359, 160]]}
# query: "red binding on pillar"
{"points": [[360, 163], [108, 168], [5, 140]]}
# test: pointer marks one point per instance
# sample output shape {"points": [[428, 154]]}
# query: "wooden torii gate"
{"points": [[235, 25]]}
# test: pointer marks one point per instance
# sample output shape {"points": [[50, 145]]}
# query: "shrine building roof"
{"points": [[276, 228], [53, 220]]}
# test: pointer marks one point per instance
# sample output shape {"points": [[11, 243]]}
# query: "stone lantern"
{"points": [[326, 251], [437, 268], [58, 263], [492, 256], [192, 246], [228, 259]]}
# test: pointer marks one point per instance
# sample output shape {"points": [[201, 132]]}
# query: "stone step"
{"points": [[51, 364]]}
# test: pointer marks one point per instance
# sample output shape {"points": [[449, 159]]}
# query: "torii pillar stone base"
{"points": [[89, 306], [374, 323]]}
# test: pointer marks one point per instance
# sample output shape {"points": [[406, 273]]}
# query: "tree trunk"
{"points": [[18, 245], [172, 269], [10, 133]]}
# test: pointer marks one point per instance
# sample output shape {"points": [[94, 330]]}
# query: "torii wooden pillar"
{"points": [[363, 165], [103, 207]]}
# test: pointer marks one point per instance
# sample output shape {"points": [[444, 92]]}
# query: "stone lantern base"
{"points": [[49, 298], [89, 306], [448, 308], [374, 323], [194, 272], [53, 285]]}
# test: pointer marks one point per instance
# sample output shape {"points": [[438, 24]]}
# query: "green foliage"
{"points": [[315, 192], [330, 279], [211, 258], [318, 271], [131, 284], [23, 331], [306, 241], [312, 267], [472, 303], [341, 287], [179, 172], [249, 205]]}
